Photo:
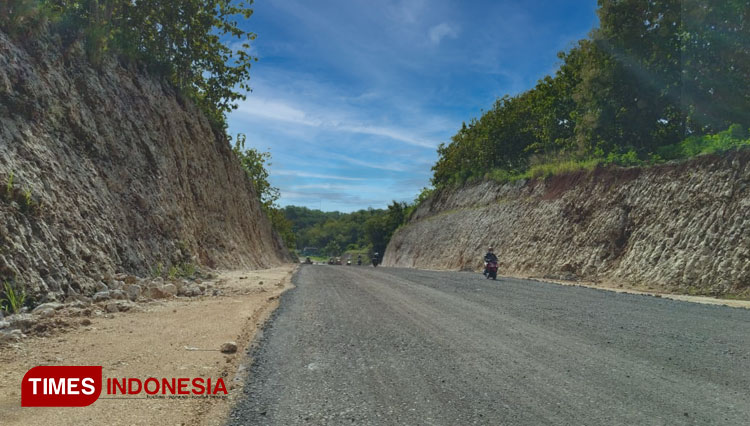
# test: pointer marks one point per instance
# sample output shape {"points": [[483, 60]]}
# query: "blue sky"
{"points": [[352, 97]]}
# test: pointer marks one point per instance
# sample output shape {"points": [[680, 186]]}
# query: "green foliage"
{"points": [[363, 231], [315, 228], [733, 138], [424, 194], [556, 168], [186, 41], [13, 297], [173, 272], [180, 270], [255, 164], [648, 85], [158, 270], [282, 225], [20, 17], [333, 248]]}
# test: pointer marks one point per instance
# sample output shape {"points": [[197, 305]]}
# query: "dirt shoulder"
{"points": [[620, 288], [178, 337]]}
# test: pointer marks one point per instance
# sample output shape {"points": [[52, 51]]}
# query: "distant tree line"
{"points": [[652, 83], [333, 233], [188, 41]]}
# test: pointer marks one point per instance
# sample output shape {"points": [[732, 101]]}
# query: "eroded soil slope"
{"points": [[113, 171]]}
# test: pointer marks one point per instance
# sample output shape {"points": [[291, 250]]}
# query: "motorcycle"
{"points": [[490, 269]]}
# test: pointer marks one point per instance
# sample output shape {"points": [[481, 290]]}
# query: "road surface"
{"points": [[356, 345]]}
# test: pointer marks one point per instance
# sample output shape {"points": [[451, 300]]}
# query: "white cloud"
{"points": [[280, 111], [393, 167], [441, 31], [275, 110], [311, 175]]}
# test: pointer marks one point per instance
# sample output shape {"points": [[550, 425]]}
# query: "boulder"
{"points": [[133, 291], [229, 348], [101, 296], [118, 294], [171, 289], [49, 305]]}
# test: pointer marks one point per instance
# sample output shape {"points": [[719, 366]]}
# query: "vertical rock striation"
{"points": [[678, 227], [113, 171]]}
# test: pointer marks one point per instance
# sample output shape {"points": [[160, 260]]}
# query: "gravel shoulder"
{"points": [[398, 346], [177, 337]]}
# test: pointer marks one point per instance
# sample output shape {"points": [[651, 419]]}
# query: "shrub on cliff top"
{"points": [[188, 40]]}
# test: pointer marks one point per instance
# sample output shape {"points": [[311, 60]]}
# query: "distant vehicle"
{"points": [[348, 262], [359, 260], [308, 261], [490, 269], [375, 259]]}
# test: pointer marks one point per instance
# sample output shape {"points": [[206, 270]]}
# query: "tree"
{"points": [[333, 248]]}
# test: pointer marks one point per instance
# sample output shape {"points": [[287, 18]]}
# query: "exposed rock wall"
{"points": [[678, 227], [123, 174]]}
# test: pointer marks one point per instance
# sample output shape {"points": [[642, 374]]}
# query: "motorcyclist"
{"points": [[359, 260], [489, 257]]}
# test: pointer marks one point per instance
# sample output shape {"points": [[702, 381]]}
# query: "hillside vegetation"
{"points": [[185, 41], [656, 81], [333, 233]]}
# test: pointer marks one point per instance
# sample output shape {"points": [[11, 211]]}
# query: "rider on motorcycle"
{"points": [[489, 257]]}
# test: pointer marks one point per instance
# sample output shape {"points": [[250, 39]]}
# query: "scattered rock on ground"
{"points": [[101, 296], [49, 305], [171, 289], [118, 294], [229, 347], [134, 292]]}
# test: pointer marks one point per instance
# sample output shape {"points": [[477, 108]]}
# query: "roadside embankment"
{"points": [[682, 227], [170, 337], [108, 169]]}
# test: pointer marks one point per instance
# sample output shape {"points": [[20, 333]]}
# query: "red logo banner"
{"points": [[61, 386]]}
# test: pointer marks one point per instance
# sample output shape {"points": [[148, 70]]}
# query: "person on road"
{"points": [[489, 257]]}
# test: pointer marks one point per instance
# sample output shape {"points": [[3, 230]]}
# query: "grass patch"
{"points": [[178, 271], [13, 297], [542, 167]]}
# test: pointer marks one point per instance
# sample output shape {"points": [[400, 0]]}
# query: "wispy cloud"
{"points": [[379, 165], [441, 31], [276, 110], [297, 173], [281, 111], [338, 110]]}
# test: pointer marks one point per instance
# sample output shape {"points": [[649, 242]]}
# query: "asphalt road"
{"points": [[365, 346]]}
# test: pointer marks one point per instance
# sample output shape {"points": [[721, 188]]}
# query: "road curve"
{"points": [[356, 345]]}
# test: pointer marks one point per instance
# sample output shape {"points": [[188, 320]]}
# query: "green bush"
{"points": [[733, 138], [13, 297]]}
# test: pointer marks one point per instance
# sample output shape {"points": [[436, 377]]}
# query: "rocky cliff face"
{"points": [[676, 227], [113, 171]]}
